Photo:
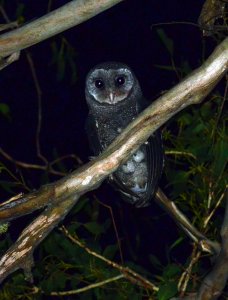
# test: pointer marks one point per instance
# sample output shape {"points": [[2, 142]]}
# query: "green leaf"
{"points": [[20, 10], [110, 251], [167, 290], [155, 261], [56, 281], [80, 205], [176, 243], [171, 270], [94, 228], [221, 156], [4, 227], [5, 110], [185, 119], [185, 67], [199, 128], [74, 226], [168, 43]]}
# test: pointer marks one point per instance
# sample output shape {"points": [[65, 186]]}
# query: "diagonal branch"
{"points": [[181, 220], [215, 281], [60, 196], [191, 90], [88, 287], [59, 20], [20, 254], [129, 274]]}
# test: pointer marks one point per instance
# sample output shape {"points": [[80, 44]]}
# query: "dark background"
{"points": [[123, 33]]}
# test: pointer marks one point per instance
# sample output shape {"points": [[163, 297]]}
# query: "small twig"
{"points": [[210, 196], [206, 221], [181, 153], [223, 102], [5, 16], [39, 98], [203, 242], [17, 181], [10, 25], [128, 273], [88, 287], [46, 168], [4, 62], [186, 275], [11, 59], [49, 6], [59, 159], [30, 166], [174, 23], [215, 281], [114, 226], [20, 163]]}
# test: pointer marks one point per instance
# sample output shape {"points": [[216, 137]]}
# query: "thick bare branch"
{"points": [[63, 194], [59, 20], [192, 90], [214, 283], [181, 220], [20, 254]]}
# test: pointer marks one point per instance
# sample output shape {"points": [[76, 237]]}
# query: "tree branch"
{"points": [[191, 90], [181, 220], [60, 196], [129, 274], [214, 283], [20, 254], [59, 20], [88, 287]]}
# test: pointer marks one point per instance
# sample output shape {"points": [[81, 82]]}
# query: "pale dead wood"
{"points": [[59, 20], [60, 196]]}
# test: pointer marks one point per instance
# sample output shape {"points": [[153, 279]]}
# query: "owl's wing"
{"points": [[155, 162], [91, 131], [155, 157]]}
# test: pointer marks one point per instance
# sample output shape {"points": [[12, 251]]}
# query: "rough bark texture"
{"points": [[59, 197], [59, 20]]}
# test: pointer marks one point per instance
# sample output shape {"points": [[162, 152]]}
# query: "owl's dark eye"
{"points": [[99, 83], [120, 81]]}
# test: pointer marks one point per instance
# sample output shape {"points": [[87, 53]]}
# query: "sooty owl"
{"points": [[114, 98]]}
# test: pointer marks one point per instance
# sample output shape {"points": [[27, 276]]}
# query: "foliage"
{"points": [[195, 178]]}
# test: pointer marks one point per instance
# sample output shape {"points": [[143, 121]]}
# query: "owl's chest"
{"points": [[110, 124]]}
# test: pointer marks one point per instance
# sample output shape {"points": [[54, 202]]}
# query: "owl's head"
{"points": [[110, 83]]}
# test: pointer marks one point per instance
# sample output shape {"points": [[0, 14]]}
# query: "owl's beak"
{"points": [[111, 97]]}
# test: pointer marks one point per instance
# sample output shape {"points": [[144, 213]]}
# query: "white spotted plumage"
{"points": [[114, 97]]}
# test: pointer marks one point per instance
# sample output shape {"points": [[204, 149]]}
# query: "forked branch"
{"points": [[60, 196]]}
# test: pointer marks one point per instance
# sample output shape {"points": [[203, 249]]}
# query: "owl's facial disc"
{"points": [[110, 86]]}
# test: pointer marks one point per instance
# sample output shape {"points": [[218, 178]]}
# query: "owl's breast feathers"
{"points": [[110, 120], [137, 179]]}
